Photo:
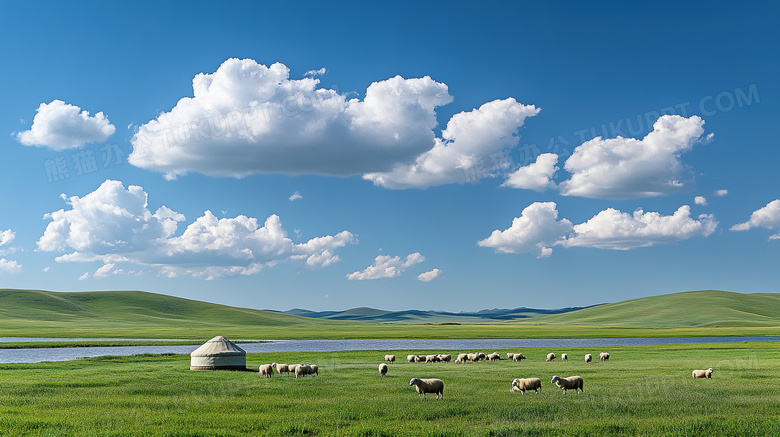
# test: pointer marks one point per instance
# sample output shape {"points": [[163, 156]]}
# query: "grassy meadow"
{"points": [[642, 390]]}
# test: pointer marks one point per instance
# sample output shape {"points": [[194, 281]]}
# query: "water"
{"points": [[269, 346]]}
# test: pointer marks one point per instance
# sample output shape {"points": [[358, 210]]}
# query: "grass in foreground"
{"points": [[643, 390]]}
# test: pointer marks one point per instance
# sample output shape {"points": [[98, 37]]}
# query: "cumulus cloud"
{"points": [[537, 176], [613, 229], [312, 73], [700, 200], [114, 225], [250, 118], [6, 237], [295, 196], [386, 266], [60, 126], [8, 266], [469, 137], [721, 193], [767, 217], [429, 276], [620, 168], [535, 231], [538, 229]]}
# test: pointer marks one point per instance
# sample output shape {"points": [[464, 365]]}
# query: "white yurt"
{"points": [[219, 353]]}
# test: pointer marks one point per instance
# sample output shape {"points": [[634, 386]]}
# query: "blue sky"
{"points": [[446, 156]]}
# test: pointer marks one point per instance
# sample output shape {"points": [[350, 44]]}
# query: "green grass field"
{"points": [[642, 390]]}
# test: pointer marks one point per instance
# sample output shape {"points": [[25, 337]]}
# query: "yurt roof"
{"points": [[218, 346]]}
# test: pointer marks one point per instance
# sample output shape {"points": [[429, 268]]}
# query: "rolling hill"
{"points": [[364, 314], [706, 308]]}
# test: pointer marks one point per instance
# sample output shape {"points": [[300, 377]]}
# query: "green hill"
{"points": [[133, 313], [706, 308]]}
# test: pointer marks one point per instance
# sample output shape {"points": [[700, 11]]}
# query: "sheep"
{"points": [[571, 383], [431, 358], [481, 356], [588, 358], [382, 370], [494, 357], [462, 358], [390, 358], [702, 373], [509, 355], [315, 369], [564, 357], [281, 368], [550, 357], [523, 384], [302, 370], [411, 358], [518, 357], [292, 368], [266, 370], [419, 358], [431, 385], [445, 358], [604, 356]]}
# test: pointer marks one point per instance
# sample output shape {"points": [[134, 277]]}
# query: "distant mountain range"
{"points": [[364, 314]]}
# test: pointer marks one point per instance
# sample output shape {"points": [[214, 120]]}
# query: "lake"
{"points": [[36, 355]]}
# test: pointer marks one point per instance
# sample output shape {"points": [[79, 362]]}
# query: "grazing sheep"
{"points": [[481, 356], [564, 357], [390, 358], [292, 368], [431, 358], [419, 358], [315, 369], [462, 358], [509, 355], [571, 383], [432, 385], [302, 370], [494, 357], [588, 358], [266, 370], [382, 370], [518, 357], [445, 358], [604, 356], [550, 357], [702, 373], [281, 368], [523, 384], [411, 358]]}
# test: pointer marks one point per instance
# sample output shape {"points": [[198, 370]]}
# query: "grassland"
{"points": [[643, 390], [135, 314]]}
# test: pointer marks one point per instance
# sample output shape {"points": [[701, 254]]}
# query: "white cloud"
{"points": [[312, 73], [60, 126], [535, 231], [7, 236], [538, 229], [612, 229], [8, 266], [114, 225], [619, 168], [537, 176], [248, 118], [469, 137], [295, 196], [700, 200], [766, 217], [84, 276], [387, 267], [429, 276], [721, 193]]}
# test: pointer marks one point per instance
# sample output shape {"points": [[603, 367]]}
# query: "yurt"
{"points": [[219, 353]]}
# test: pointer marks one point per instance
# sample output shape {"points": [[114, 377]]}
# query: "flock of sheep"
{"points": [[435, 386]]}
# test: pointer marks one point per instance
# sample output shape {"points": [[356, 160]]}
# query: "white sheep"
{"points": [[431, 385], [494, 357], [564, 357], [702, 373], [419, 358], [281, 368], [588, 358], [445, 357], [509, 355], [266, 370], [462, 358], [604, 356], [302, 370], [390, 358], [571, 383], [518, 357], [382, 370], [411, 358], [481, 356], [431, 358], [550, 357], [292, 368], [315, 369], [523, 384]]}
